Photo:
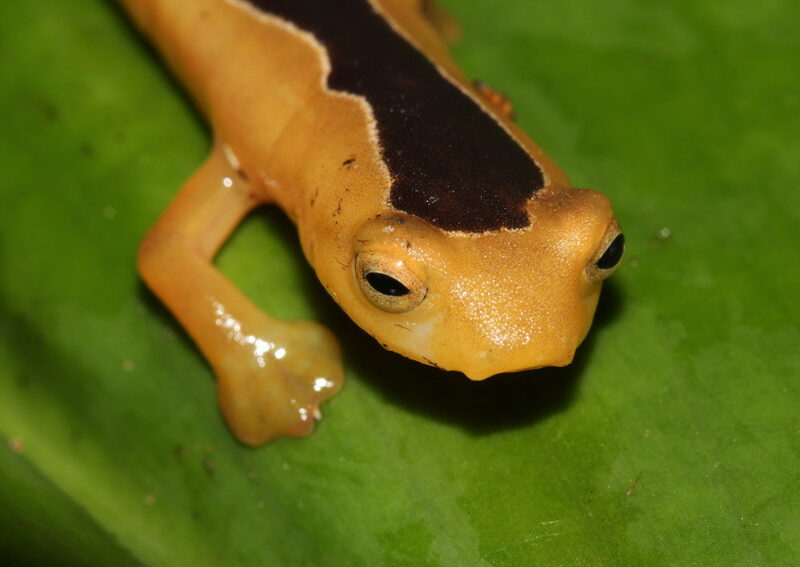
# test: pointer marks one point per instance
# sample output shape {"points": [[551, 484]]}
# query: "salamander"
{"points": [[435, 223]]}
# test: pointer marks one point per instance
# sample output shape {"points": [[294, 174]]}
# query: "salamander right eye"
{"points": [[613, 253], [389, 283], [608, 256]]}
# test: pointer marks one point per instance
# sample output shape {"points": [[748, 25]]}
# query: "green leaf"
{"points": [[673, 440]]}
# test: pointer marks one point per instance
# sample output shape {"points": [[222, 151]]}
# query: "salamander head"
{"points": [[487, 303]]}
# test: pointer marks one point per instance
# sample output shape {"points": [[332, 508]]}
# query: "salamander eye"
{"points": [[388, 283], [607, 259], [613, 253]]}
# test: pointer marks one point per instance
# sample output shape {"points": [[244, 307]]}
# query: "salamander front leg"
{"points": [[498, 100], [271, 375]]}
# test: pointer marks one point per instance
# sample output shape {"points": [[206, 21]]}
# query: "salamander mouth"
{"points": [[484, 365]]}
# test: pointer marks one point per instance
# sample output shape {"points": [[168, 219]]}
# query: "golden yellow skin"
{"points": [[495, 302]]}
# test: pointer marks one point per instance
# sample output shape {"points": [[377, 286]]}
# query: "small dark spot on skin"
{"points": [[242, 175], [361, 241], [314, 196], [338, 208], [408, 245], [402, 326], [348, 163]]}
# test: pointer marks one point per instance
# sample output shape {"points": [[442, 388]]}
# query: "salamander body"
{"points": [[427, 214]]}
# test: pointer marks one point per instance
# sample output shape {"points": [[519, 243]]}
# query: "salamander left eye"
{"points": [[388, 283]]}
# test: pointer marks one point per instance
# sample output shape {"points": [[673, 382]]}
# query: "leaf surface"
{"points": [[674, 439]]}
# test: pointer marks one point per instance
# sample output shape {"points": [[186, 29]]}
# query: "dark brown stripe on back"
{"points": [[451, 163]]}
